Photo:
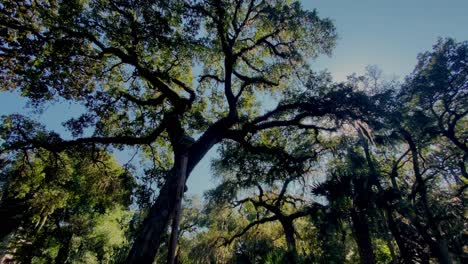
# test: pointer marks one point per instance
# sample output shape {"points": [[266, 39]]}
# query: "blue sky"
{"points": [[382, 32], [388, 33]]}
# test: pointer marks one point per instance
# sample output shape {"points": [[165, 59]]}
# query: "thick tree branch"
{"points": [[249, 226], [144, 102], [58, 144]]}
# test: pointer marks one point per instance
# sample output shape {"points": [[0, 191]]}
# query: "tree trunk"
{"points": [[441, 251], [362, 235], [405, 253], [181, 175], [149, 236], [288, 227], [438, 247], [64, 250], [388, 238]]}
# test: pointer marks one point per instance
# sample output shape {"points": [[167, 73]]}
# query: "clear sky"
{"points": [[387, 33]]}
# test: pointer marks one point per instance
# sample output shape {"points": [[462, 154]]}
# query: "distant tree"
{"points": [[422, 125], [432, 116], [264, 181], [436, 92], [52, 200]]}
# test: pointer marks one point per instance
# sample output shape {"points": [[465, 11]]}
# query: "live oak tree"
{"points": [[170, 76], [438, 89], [172, 79], [427, 170], [424, 127], [218, 222], [398, 179], [265, 181], [277, 159]]}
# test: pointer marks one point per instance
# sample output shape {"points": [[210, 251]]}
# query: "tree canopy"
{"points": [[367, 170]]}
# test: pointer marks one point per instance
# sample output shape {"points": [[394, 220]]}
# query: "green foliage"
{"points": [[382, 252], [367, 170], [107, 242], [71, 204]]}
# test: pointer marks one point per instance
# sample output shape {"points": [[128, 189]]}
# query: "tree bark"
{"points": [[288, 227], [181, 175], [439, 247], [64, 250], [405, 253], [361, 200], [442, 252], [362, 235], [150, 235]]}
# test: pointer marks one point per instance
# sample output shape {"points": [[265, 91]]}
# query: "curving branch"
{"points": [[211, 76], [57, 144], [262, 40], [143, 102], [247, 81], [130, 59], [248, 227]]}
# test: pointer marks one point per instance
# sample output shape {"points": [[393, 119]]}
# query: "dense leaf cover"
{"points": [[309, 170]]}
